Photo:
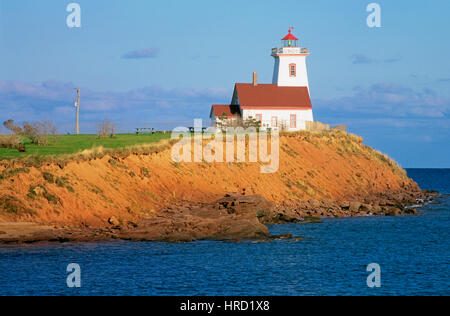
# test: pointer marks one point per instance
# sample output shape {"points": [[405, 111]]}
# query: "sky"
{"points": [[168, 61]]}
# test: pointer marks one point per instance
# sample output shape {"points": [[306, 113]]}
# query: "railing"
{"points": [[290, 50], [282, 125]]}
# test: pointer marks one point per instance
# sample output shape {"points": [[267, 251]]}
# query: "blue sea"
{"points": [[413, 253]]}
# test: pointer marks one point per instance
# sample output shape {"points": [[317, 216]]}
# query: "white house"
{"points": [[285, 103]]}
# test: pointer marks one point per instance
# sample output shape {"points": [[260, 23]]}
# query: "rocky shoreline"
{"points": [[235, 217]]}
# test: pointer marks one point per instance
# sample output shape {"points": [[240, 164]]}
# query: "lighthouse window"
{"points": [[274, 121], [292, 70], [293, 121]]}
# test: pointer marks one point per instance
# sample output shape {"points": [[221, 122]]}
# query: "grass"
{"points": [[71, 144]]}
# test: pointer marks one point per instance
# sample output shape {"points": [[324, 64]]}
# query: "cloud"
{"points": [[142, 53], [360, 59], [411, 125], [392, 60], [389, 100], [54, 100]]}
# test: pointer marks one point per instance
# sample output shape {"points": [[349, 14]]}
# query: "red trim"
{"points": [[276, 121], [259, 119], [289, 37], [290, 121], [255, 107], [290, 70]]}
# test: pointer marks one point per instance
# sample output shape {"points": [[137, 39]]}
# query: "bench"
{"points": [[192, 129], [141, 130]]}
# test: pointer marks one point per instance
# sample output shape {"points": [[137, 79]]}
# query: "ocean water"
{"points": [[413, 253]]}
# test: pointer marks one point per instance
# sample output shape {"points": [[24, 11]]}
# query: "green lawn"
{"points": [[69, 144]]}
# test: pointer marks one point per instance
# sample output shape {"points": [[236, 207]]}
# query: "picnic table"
{"points": [[192, 129], [140, 130]]}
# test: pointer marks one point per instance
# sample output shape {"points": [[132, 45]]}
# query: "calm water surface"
{"points": [[413, 252]]}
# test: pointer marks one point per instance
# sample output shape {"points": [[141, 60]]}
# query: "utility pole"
{"points": [[78, 111]]}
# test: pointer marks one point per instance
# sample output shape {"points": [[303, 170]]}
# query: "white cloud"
{"points": [[142, 53]]}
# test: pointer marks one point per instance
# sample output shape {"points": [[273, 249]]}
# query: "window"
{"points": [[274, 121], [259, 118], [293, 121], [292, 70]]}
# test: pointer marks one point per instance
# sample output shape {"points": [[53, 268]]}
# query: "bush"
{"points": [[105, 129], [224, 122], [40, 133], [9, 141]]}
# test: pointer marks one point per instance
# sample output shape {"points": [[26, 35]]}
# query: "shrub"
{"points": [[105, 129], [9, 141], [40, 133], [48, 177], [50, 198], [12, 172]]}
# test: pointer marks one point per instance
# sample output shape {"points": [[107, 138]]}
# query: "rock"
{"points": [[354, 207], [38, 190], [234, 217], [392, 211], [366, 208], [113, 221], [312, 219], [376, 209], [411, 211], [288, 219]]}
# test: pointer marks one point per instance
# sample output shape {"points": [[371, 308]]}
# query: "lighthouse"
{"points": [[290, 63], [284, 104]]}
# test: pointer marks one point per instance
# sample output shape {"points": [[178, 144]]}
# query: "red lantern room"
{"points": [[289, 40]]}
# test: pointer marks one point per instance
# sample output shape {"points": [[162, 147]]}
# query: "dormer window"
{"points": [[292, 70]]}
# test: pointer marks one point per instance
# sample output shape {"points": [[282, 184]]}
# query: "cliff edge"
{"points": [[114, 194]]}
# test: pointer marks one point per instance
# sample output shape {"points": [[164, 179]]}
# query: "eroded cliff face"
{"points": [[330, 174]]}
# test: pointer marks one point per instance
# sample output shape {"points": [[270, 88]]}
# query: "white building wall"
{"points": [[283, 116], [281, 73]]}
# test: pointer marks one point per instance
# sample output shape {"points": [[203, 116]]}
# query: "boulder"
{"points": [[392, 211], [354, 207], [233, 217], [312, 219], [113, 221]]}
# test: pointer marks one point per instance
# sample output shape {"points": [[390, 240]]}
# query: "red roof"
{"points": [[221, 109], [289, 37], [266, 96]]}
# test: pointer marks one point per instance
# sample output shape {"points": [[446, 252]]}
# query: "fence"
{"points": [[285, 125], [167, 126]]}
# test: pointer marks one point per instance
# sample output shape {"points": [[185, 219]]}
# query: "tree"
{"points": [[40, 132], [9, 124]]}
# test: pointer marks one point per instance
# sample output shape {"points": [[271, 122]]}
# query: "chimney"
{"points": [[255, 79]]}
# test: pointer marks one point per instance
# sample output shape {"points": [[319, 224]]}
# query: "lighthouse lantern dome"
{"points": [[289, 40]]}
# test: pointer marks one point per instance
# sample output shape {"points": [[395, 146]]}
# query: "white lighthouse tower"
{"points": [[290, 63]]}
